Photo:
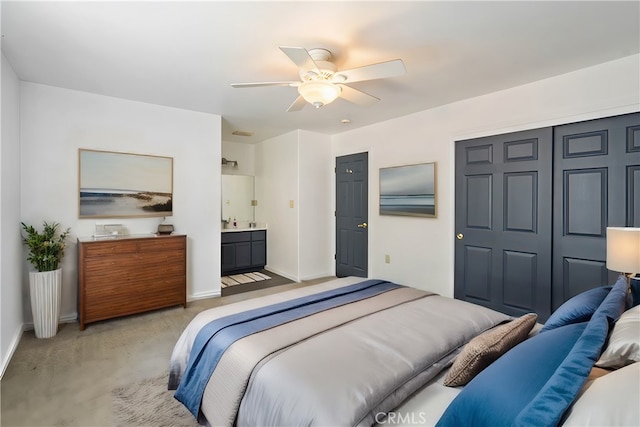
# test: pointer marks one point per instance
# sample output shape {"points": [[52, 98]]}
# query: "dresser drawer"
{"points": [[101, 279], [99, 249], [158, 269], [110, 264], [161, 244], [116, 299], [162, 257]]}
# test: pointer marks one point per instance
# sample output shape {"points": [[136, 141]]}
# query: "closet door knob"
{"points": [[459, 236]]}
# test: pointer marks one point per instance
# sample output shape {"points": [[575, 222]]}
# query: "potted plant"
{"points": [[45, 285]]}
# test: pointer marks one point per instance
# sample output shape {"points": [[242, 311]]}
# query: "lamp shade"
{"points": [[623, 249], [319, 92]]}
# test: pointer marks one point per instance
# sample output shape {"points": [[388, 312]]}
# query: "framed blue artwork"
{"points": [[408, 190]]}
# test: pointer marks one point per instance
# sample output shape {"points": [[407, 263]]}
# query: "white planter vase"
{"points": [[46, 289]]}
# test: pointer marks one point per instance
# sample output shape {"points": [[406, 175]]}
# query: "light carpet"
{"points": [[148, 403], [239, 279]]}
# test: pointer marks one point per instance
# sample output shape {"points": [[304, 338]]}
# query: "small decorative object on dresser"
{"points": [[165, 228], [45, 285], [129, 275]]}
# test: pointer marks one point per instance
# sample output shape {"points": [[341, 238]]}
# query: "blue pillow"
{"points": [[562, 388], [577, 309], [536, 381], [499, 393]]}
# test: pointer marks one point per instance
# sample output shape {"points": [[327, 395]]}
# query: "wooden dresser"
{"points": [[129, 275]]}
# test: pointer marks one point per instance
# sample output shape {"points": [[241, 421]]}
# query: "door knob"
{"points": [[460, 236], [363, 225]]}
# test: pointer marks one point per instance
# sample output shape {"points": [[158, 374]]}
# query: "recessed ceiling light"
{"points": [[345, 121]]}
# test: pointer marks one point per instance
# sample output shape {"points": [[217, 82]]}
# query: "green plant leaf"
{"points": [[45, 249]]}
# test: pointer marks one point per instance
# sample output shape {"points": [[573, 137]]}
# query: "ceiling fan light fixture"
{"points": [[319, 92]]}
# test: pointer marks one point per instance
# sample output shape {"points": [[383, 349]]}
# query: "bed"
{"points": [[357, 352]]}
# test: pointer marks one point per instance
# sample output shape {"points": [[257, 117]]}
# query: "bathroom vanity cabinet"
{"points": [[243, 251]]}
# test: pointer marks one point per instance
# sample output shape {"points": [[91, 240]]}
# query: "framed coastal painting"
{"points": [[120, 185], [408, 190]]}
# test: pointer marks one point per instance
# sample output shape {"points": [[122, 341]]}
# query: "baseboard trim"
{"points": [[299, 279], [12, 349], [318, 276], [67, 318], [204, 295], [282, 273]]}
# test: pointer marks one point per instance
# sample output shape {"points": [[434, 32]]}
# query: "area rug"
{"points": [[239, 279], [149, 403]]}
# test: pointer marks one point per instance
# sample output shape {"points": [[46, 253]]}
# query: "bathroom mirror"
{"points": [[237, 194]]}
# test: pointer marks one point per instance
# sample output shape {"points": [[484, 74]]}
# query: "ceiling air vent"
{"points": [[242, 133]]}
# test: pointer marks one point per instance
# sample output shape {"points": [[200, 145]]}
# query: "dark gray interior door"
{"points": [[352, 188], [503, 222], [596, 184]]}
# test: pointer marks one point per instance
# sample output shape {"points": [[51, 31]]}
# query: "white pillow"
{"points": [[610, 400], [624, 342]]}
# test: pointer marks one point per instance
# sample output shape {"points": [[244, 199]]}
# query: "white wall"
{"points": [[56, 122], [422, 249], [316, 206], [296, 168], [244, 154], [11, 318], [276, 186]]}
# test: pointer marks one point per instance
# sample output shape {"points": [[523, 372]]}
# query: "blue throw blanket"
{"points": [[218, 335]]}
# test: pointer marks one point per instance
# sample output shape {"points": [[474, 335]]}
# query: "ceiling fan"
{"points": [[321, 83]]}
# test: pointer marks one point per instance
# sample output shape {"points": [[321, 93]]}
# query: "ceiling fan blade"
{"points": [[374, 71], [357, 97], [297, 105], [258, 84], [300, 56]]}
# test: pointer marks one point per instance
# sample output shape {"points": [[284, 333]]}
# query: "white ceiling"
{"points": [[185, 54]]}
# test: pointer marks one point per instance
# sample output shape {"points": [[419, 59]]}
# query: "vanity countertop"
{"points": [[233, 230]]}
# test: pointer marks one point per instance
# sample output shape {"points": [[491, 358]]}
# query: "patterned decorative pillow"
{"points": [[487, 347]]}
